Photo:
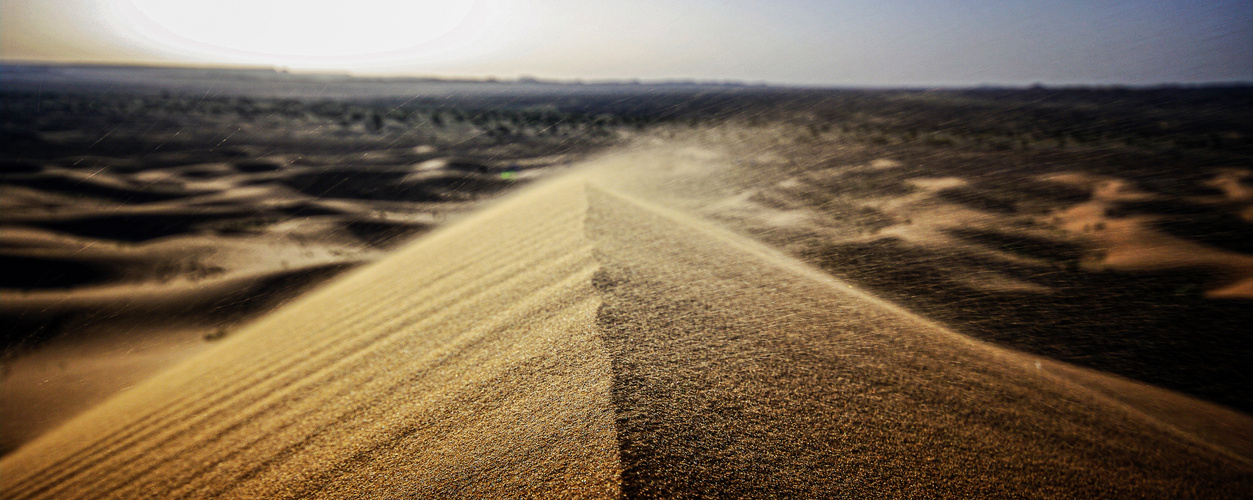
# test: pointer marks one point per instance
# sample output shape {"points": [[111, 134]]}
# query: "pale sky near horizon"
{"points": [[854, 42]]}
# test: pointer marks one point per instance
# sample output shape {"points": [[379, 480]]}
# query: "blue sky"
{"points": [[886, 42]]}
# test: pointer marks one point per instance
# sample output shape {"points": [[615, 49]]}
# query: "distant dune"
{"points": [[582, 339], [128, 243], [180, 250]]}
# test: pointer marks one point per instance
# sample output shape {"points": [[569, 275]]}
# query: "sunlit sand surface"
{"points": [[585, 337]]}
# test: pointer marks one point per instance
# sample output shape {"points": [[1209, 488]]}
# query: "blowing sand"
{"points": [[574, 340]]}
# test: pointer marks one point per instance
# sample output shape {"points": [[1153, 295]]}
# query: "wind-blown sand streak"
{"points": [[490, 336], [572, 340]]}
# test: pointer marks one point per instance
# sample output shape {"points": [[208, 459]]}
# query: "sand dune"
{"points": [[471, 349], [574, 340], [740, 372], [132, 244]]}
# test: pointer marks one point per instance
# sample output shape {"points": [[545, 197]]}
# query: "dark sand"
{"points": [[580, 339]]}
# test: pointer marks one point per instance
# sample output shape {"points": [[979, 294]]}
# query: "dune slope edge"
{"points": [[574, 341], [740, 372], [465, 364]]}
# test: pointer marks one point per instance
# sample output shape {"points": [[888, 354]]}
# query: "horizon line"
{"points": [[662, 81]]}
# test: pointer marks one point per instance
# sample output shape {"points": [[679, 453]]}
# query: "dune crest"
{"points": [[464, 364], [575, 341], [741, 372]]}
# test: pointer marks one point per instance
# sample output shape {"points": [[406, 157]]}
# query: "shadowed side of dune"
{"points": [[741, 373], [28, 272], [573, 341], [465, 364]]}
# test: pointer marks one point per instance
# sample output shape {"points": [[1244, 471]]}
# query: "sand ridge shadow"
{"points": [[736, 376]]}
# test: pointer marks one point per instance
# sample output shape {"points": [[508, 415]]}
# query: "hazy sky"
{"points": [[856, 42]]}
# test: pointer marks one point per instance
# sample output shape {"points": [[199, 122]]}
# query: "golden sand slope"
{"points": [[464, 364], [576, 340], [740, 372]]}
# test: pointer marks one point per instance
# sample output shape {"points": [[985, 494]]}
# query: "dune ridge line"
{"points": [[571, 340], [470, 344], [739, 372], [1226, 431]]}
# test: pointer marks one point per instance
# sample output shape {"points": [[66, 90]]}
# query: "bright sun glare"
{"points": [[303, 32]]}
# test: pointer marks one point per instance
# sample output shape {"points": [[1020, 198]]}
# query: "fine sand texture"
{"points": [[99, 293], [117, 267], [576, 340]]}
